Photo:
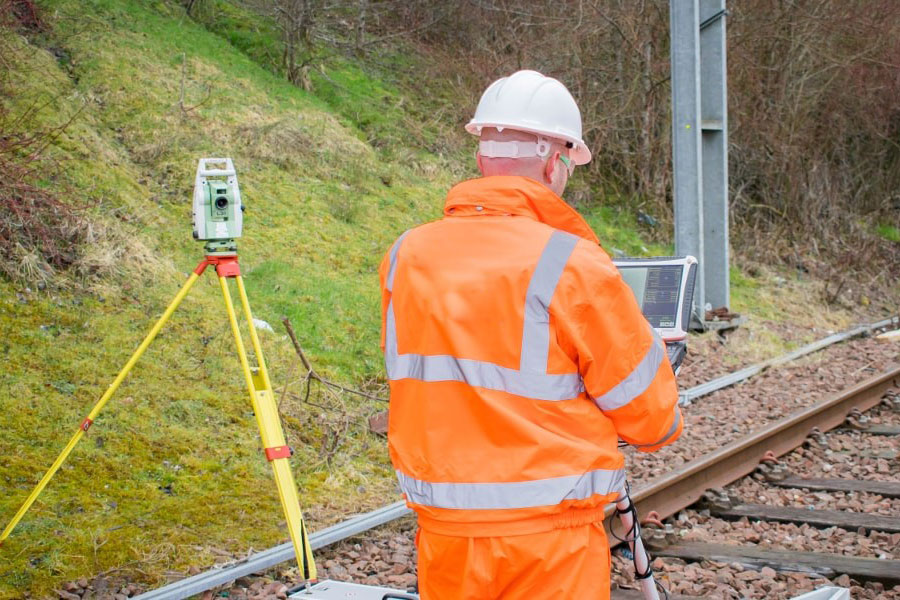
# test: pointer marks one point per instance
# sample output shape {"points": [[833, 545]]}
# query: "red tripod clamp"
{"points": [[276, 452], [226, 266]]}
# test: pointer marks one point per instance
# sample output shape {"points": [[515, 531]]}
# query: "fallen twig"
{"points": [[311, 373]]}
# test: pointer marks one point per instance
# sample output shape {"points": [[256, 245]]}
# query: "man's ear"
{"points": [[478, 161], [550, 167]]}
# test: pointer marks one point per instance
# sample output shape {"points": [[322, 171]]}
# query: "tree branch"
{"points": [[311, 373]]}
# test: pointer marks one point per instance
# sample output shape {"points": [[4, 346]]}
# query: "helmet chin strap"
{"points": [[514, 149]]}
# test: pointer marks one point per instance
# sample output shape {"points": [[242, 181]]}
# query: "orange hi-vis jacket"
{"points": [[516, 357]]}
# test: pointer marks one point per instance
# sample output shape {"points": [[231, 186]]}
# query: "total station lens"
{"points": [[221, 202]]}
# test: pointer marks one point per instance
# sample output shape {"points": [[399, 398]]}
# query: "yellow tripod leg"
{"points": [[86, 423], [276, 449]]}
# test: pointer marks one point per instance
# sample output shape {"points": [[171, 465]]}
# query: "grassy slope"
{"points": [[171, 473], [172, 467]]}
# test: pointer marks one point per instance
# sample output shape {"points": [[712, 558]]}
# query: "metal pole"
{"points": [[714, 152], [686, 145]]}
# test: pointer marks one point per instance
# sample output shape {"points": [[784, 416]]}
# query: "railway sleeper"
{"points": [[851, 521], [876, 429], [887, 489], [886, 572]]}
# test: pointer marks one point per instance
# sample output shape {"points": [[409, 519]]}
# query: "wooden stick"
{"points": [[311, 373]]}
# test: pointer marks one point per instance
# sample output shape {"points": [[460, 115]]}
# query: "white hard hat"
{"points": [[529, 101]]}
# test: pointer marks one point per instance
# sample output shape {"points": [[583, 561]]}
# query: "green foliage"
{"points": [[179, 436], [251, 33], [889, 232], [615, 225], [743, 290]]}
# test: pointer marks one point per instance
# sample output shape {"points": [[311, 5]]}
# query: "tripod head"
{"points": [[217, 209]]}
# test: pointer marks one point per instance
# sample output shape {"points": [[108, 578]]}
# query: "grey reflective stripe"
{"points": [[441, 367], [536, 329], [390, 343], [395, 249], [531, 382], [668, 435], [637, 382], [519, 494]]}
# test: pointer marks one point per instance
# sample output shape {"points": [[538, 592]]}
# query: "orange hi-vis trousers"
{"points": [[562, 564]]}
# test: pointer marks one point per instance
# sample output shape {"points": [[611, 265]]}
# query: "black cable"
{"points": [[662, 589], [612, 532], [631, 536], [712, 19], [635, 533]]}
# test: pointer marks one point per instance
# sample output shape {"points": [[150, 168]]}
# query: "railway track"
{"points": [[685, 485], [831, 510], [666, 496]]}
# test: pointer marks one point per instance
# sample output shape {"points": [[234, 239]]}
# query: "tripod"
{"points": [[261, 398]]}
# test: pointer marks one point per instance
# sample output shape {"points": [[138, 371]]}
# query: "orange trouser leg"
{"points": [[562, 564]]}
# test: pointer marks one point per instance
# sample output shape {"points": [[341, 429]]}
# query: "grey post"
{"points": [[700, 143], [686, 148], [714, 126]]}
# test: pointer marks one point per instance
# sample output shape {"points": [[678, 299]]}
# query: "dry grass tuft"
{"points": [[111, 252], [21, 14], [39, 234], [299, 141]]}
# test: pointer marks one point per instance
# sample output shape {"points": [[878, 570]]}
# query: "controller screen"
{"points": [[656, 290]]}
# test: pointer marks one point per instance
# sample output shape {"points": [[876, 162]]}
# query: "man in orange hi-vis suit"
{"points": [[517, 357]]}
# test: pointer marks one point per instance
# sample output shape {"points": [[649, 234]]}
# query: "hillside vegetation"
{"points": [[171, 470], [105, 107]]}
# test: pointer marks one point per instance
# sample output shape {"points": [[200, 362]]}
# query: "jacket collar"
{"points": [[515, 195]]}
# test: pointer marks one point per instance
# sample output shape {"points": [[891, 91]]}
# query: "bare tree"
{"points": [[297, 20]]}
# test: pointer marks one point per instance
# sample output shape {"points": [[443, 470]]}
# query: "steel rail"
{"points": [[261, 561], [683, 486], [689, 395]]}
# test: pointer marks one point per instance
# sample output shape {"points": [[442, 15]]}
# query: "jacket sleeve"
{"points": [[620, 357]]}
